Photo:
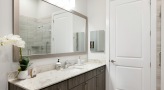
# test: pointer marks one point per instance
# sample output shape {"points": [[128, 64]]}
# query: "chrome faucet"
{"points": [[67, 64]]}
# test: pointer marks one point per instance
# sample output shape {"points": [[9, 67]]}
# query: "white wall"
{"points": [[6, 61], [98, 19], [29, 8], [81, 6], [45, 9], [79, 24], [96, 13], [36, 8]]}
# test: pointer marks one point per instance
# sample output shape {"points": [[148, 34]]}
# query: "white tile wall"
{"points": [[36, 33]]}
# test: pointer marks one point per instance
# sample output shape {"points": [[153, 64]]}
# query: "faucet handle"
{"points": [[67, 64]]}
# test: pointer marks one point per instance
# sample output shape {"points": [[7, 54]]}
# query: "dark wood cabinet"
{"points": [[100, 81], [92, 80], [59, 86], [13, 87], [88, 85], [75, 81], [100, 70], [79, 87], [90, 74], [100, 78], [91, 84]]}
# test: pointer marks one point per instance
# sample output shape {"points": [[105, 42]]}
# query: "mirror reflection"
{"points": [[48, 29], [97, 41]]}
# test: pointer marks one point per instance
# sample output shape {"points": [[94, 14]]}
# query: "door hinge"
{"points": [[150, 2], [150, 33], [53, 21], [150, 64]]}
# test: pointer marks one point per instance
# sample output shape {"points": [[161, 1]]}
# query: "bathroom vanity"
{"points": [[56, 33], [90, 76]]}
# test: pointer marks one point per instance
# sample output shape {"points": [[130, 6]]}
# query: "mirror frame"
{"points": [[15, 21]]}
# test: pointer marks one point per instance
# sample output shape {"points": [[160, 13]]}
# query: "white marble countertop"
{"points": [[52, 77]]}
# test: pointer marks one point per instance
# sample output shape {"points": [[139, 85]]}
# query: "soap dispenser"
{"points": [[58, 65]]}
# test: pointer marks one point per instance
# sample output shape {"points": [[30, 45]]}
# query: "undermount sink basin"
{"points": [[76, 67]]}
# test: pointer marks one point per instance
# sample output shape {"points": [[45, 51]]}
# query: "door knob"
{"points": [[113, 61]]}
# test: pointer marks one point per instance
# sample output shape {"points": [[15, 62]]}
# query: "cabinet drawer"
{"points": [[59, 86], [90, 74], [73, 82], [100, 70]]}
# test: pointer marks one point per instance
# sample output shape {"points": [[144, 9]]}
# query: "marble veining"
{"points": [[49, 78]]}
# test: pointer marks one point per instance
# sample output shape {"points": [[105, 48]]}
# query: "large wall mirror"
{"points": [[49, 30]]}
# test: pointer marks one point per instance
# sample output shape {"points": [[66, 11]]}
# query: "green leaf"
{"points": [[23, 68], [24, 63]]}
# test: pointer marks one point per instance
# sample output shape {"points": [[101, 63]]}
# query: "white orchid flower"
{"points": [[12, 40], [20, 44]]}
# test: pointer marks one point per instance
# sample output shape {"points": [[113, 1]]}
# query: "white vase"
{"points": [[23, 75]]}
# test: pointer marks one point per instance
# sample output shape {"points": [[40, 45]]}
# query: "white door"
{"points": [[130, 44], [62, 33]]}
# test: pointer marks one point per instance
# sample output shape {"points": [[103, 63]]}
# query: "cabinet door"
{"points": [[80, 87], [73, 82], [60, 86], [101, 70], [100, 81], [90, 74], [91, 84]]}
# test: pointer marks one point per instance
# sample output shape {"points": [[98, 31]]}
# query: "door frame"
{"points": [[162, 45], [153, 43]]}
